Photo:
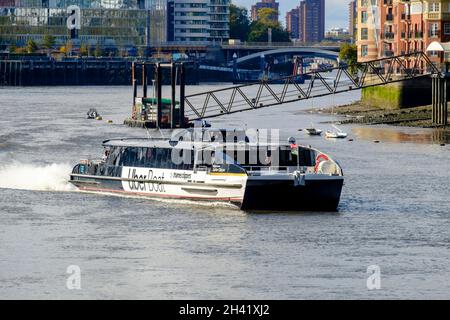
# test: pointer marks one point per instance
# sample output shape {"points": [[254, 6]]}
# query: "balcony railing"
{"points": [[390, 17], [388, 53], [432, 16]]}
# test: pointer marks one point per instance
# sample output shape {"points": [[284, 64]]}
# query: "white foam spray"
{"points": [[53, 177]]}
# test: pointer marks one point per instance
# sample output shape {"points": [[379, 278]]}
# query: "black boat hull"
{"points": [[283, 195], [260, 194]]}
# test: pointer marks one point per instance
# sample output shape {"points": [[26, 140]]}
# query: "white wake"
{"points": [[53, 177]]}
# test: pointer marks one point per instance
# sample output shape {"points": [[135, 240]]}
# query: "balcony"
{"points": [[388, 53], [406, 16], [403, 35], [390, 17], [432, 16]]}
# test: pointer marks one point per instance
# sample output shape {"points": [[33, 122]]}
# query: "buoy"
{"points": [[350, 140], [110, 121], [442, 144], [376, 141], [99, 118]]}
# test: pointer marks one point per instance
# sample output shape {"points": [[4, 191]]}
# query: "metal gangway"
{"points": [[313, 84]]}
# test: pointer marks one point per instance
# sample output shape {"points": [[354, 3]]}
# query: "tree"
{"points": [[239, 23], [31, 46], [98, 51], [12, 48], [69, 48], [269, 17], [48, 41], [349, 54], [259, 30], [84, 50]]}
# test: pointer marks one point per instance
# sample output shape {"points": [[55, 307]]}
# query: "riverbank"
{"points": [[419, 117]]}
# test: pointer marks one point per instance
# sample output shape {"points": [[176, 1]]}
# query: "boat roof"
{"points": [[159, 143]]}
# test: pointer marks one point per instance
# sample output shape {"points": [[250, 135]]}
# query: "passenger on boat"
{"points": [[268, 160], [105, 154]]}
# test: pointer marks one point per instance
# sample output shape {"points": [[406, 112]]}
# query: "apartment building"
{"points": [[198, 21], [393, 27]]}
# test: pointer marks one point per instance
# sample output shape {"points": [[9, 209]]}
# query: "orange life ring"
{"points": [[321, 157]]}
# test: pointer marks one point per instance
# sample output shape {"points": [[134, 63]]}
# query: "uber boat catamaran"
{"points": [[252, 176]]}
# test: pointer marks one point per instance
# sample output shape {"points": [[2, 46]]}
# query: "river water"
{"points": [[394, 213]]}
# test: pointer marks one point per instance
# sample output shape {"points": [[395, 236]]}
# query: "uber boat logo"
{"points": [[74, 280], [156, 185], [374, 280]]}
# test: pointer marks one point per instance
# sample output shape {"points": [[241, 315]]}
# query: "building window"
{"points": [[434, 30], [446, 28], [364, 50], [364, 34], [363, 16], [433, 7]]}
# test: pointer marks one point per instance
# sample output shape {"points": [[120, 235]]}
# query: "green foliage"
{"points": [[239, 23], [259, 30], [349, 54], [31, 46], [98, 51], [13, 48], [260, 33], [48, 41], [84, 50], [269, 17]]}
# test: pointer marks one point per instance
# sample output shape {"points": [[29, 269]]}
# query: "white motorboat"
{"points": [[336, 134]]}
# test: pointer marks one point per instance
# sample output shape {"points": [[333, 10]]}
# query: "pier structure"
{"points": [[155, 111], [343, 78], [439, 100]]}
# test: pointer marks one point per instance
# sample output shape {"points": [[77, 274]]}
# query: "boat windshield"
{"points": [[218, 162], [284, 156]]}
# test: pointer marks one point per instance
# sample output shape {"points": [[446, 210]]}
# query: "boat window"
{"points": [[160, 158], [113, 155], [288, 158], [307, 157]]}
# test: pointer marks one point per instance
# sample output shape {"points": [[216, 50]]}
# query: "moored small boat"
{"points": [[313, 131], [336, 134]]}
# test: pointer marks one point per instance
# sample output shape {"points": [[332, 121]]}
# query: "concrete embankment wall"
{"points": [[68, 73], [406, 94]]}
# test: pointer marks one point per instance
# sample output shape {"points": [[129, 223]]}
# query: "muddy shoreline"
{"points": [[418, 117]]}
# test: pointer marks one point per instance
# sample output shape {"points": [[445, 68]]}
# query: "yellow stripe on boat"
{"points": [[227, 174]]}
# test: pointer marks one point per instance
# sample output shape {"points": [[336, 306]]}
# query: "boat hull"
{"points": [[315, 195], [162, 189], [259, 195]]}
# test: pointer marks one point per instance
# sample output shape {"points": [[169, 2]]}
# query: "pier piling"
{"points": [[439, 101]]}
